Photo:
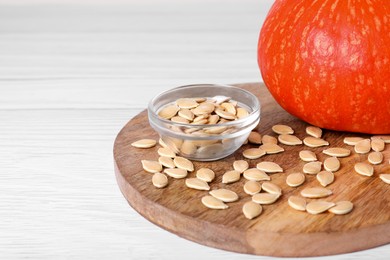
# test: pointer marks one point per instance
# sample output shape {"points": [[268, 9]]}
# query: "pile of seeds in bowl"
{"points": [[258, 180]]}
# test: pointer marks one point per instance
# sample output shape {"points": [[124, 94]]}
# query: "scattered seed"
{"points": [[151, 166], [297, 203], [252, 187], [317, 192], [271, 148], [271, 188], [176, 173], [282, 129], [378, 145], [312, 167], [187, 114], [253, 153], [307, 156], [225, 114], [242, 112], [166, 152], [337, 152], [231, 176], [269, 139], [342, 207], [162, 143], [159, 180], [166, 162], [188, 147], [295, 179], [314, 142], [364, 169], [144, 143], [205, 174], [213, 203], [269, 167], [332, 164], [314, 131], [224, 195], [197, 184], [265, 198], [229, 107], [375, 157], [317, 207], [352, 140], [363, 146], [240, 165], [254, 138], [251, 210], [289, 139], [325, 178], [169, 111], [385, 177], [255, 174], [385, 138], [183, 163]]}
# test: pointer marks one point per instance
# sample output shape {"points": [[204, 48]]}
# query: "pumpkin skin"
{"points": [[328, 62]]}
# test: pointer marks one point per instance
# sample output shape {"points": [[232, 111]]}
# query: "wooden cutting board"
{"points": [[279, 230]]}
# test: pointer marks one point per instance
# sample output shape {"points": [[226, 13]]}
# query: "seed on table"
{"points": [[144, 143], [352, 140], [375, 157], [289, 139], [363, 146], [162, 143], [197, 184], [166, 162], [314, 131], [224, 194], [151, 166], [166, 152], [282, 129], [342, 207], [229, 107], [271, 188], [188, 147], [312, 167], [225, 114], [251, 210], [159, 180], [314, 142], [378, 145], [183, 163], [242, 112], [385, 138], [186, 114], [317, 192], [252, 187], [337, 152], [180, 120], [231, 176], [269, 167], [266, 139], [325, 178], [205, 174], [317, 207], [253, 153], [265, 198], [255, 174], [176, 173], [254, 138], [297, 203], [213, 119], [364, 169], [307, 156], [271, 148], [385, 177], [168, 112], [213, 203], [332, 164], [295, 179], [240, 165], [203, 108]]}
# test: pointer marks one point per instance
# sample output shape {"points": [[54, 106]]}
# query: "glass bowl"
{"points": [[205, 142]]}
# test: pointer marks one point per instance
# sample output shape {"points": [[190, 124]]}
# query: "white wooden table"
{"points": [[71, 75]]}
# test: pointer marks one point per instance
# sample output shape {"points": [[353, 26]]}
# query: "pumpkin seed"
{"points": [[266, 139], [213, 203], [197, 184], [325, 178], [229, 107], [314, 131], [254, 174], [187, 114], [289, 139], [312, 167], [173, 143], [200, 122], [166, 152], [186, 103], [225, 114], [269, 167], [188, 147], [282, 129], [385, 177], [144, 143], [385, 138], [159, 180], [332, 164], [176, 173], [166, 162], [363, 146], [342, 207], [216, 130], [180, 120], [251, 210], [271, 188], [224, 195], [231, 176], [183, 163], [297, 203], [314, 142], [317, 207], [203, 108], [317, 192], [199, 99], [213, 119], [295, 179], [307, 156], [169, 111], [375, 157], [205, 174], [271, 148], [337, 152], [220, 99], [352, 140], [253, 153], [151, 166], [162, 143], [242, 112], [364, 169], [254, 138], [201, 117], [378, 145], [252, 187], [240, 165], [265, 198]]}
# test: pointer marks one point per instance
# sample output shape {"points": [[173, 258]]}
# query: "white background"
{"points": [[72, 73]]}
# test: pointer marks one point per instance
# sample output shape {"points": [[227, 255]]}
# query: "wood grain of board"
{"points": [[280, 230]]}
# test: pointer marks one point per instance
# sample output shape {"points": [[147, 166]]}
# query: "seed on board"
{"points": [[378, 145], [205, 174], [297, 203], [314, 142], [187, 114], [316, 192], [169, 111], [307, 156], [151, 166], [253, 153], [213, 119], [282, 129], [385, 138], [240, 165], [385, 177], [224, 195], [225, 114], [166, 162], [242, 112], [325, 178], [269, 167], [255, 174], [159, 180], [176, 173], [337, 152], [144, 143], [166, 152], [332, 164], [319, 206], [295, 179], [312, 167], [352, 140], [186, 103], [183, 163], [197, 184], [271, 148], [188, 147], [375, 157], [179, 119], [271, 188], [251, 210], [213, 203], [364, 169], [265, 198], [254, 138], [231, 176], [229, 107], [269, 139], [252, 187], [314, 131], [363, 146], [289, 139], [342, 207]]}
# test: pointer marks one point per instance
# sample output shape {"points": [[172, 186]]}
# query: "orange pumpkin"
{"points": [[328, 62]]}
